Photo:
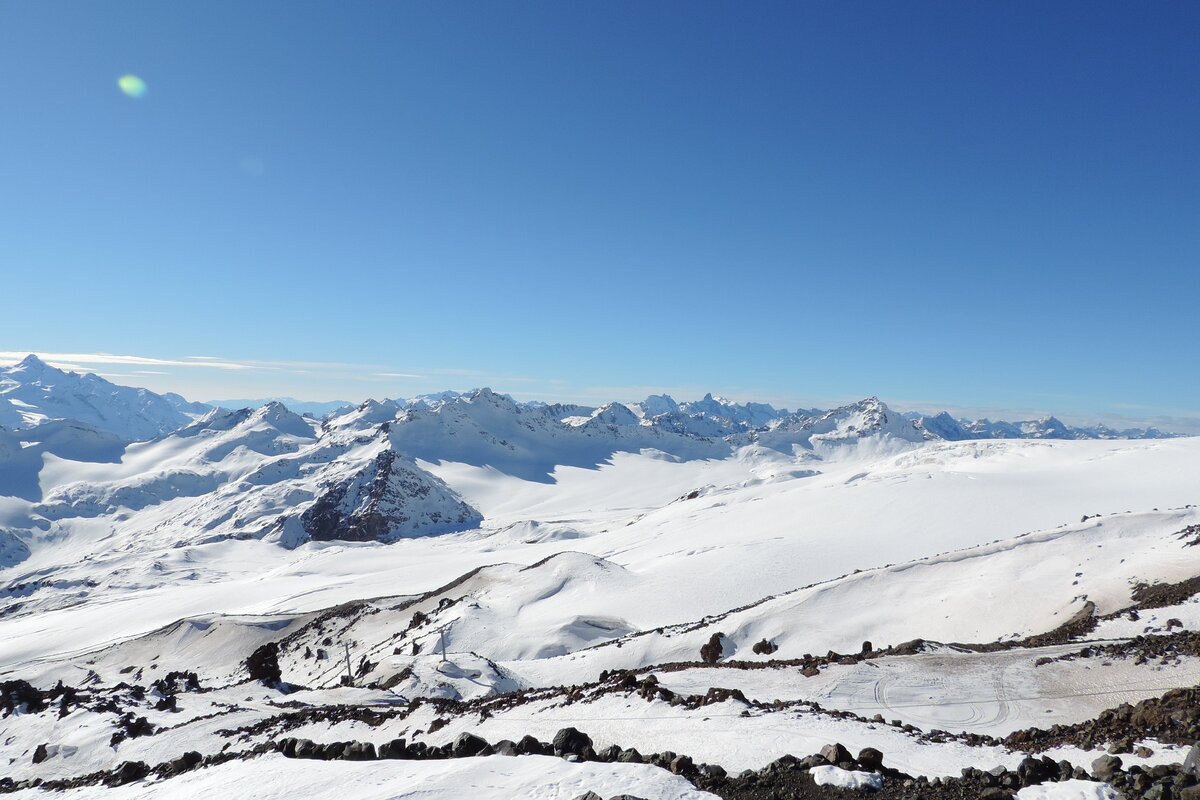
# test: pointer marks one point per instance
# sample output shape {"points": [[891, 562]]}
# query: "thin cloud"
{"points": [[75, 359]]}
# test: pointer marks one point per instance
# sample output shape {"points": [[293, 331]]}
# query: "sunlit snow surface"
{"points": [[575, 572]]}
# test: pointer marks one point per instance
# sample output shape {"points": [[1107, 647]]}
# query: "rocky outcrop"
{"points": [[389, 499]]}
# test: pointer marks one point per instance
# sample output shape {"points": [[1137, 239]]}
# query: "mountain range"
{"points": [[32, 392], [202, 598]]}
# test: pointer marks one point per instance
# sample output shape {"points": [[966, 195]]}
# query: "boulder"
{"points": [[711, 653], [870, 759], [1033, 771], [396, 748], [263, 664], [682, 765], [571, 741], [764, 647], [609, 754], [1191, 764], [188, 761], [466, 745], [836, 754], [18, 693], [529, 746], [630, 756], [128, 772], [1104, 767], [359, 751]]}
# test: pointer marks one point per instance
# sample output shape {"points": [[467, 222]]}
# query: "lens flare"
{"points": [[132, 86]]}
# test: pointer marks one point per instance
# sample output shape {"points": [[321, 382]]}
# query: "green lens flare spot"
{"points": [[132, 86]]}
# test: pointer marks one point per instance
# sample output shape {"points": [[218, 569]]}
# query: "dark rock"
{"points": [[529, 746], [1191, 764], [571, 741], [506, 747], [711, 653], [359, 751], [836, 753], [466, 745], [764, 648], [870, 759], [1033, 771], [609, 754], [589, 796], [263, 664], [630, 756], [1104, 767], [396, 748], [332, 751], [785, 763], [14, 694], [40, 754], [186, 762], [128, 772], [682, 765], [1158, 791]]}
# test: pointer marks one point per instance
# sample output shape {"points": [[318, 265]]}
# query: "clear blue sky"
{"points": [[990, 204]]}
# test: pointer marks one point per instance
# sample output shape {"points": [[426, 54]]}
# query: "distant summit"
{"points": [[312, 408], [32, 393]]}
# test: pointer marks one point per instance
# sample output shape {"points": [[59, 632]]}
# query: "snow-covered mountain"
{"points": [[312, 408], [944, 426], [210, 606], [33, 392]]}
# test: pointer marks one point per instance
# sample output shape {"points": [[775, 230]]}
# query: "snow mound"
{"points": [[846, 778], [1069, 790]]}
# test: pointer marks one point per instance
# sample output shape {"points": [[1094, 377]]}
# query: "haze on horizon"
{"points": [[976, 208]]}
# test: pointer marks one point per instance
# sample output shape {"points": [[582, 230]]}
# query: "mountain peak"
{"points": [[32, 361]]}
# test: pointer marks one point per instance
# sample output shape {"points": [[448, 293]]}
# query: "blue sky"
{"points": [[968, 205]]}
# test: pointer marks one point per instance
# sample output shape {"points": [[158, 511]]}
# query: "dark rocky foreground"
{"points": [[1172, 718], [789, 777], [786, 778]]}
